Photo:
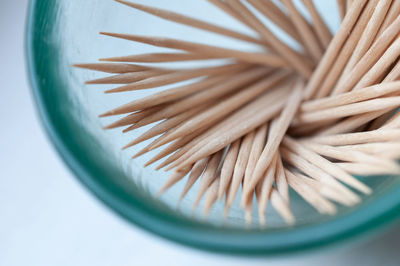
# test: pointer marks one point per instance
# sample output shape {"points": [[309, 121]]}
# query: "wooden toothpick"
{"points": [[391, 15], [277, 45], [310, 40], [369, 32], [318, 174], [386, 60], [208, 177], [342, 8], [196, 23], [281, 181], [359, 137], [325, 190], [174, 146], [310, 195], [349, 110], [350, 79], [256, 150], [228, 10], [159, 58], [126, 78], [266, 188], [239, 170], [283, 209], [113, 68], [351, 155], [328, 167], [364, 169], [267, 59], [279, 131], [322, 30], [196, 172], [211, 196], [334, 48], [350, 124], [134, 117], [228, 168], [276, 15], [174, 178], [351, 97], [347, 50]]}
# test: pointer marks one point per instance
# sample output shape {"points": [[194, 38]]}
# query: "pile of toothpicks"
{"points": [[307, 119]]}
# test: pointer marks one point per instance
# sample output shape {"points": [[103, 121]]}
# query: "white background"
{"points": [[48, 218]]}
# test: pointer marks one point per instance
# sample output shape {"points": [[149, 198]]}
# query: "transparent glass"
{"points": [[61, 33]]}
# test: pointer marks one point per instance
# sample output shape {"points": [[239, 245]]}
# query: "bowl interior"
{"points": [[61, 33]]}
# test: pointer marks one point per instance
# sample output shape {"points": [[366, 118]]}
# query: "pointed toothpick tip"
{"points": [[106, 114], [123, 2], [158, 143], [110, 126], [85, 66], [244, 199], [89, 66], [125, 130], [151, 161], [148, 163], [135, 156], [170, 168], [154, 145], [226, 211], [220, 196], [110, 91], [141, 152], [130, 4], [127, 146], [159, 167]]}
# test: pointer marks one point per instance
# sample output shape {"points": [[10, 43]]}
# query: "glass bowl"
{"points": [[63, 32]]}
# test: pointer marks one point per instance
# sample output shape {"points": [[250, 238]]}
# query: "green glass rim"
{"points": [[363, 219]]}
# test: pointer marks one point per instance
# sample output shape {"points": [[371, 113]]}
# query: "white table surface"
{"points": [[48, 218]]}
